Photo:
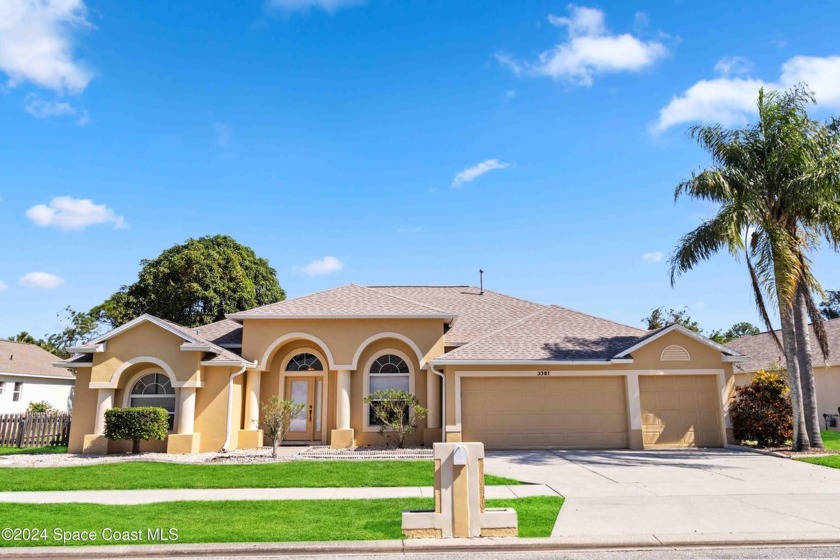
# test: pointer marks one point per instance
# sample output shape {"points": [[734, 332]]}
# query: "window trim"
{"points": [[17, 391], [297, 352], [366, 425], [2, 387], [129, 387]]}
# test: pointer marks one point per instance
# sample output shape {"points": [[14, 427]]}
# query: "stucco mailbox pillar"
{"points": [[460, 510]]}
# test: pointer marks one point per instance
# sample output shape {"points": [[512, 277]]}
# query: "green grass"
{"points": [[33, 450], [293, 474], [831, 439], [252, 521]]}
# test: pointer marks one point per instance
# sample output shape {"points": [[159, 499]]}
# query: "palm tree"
{"points": [[777, 183]]}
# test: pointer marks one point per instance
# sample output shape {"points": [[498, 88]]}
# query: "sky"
{"points": [[385, 142]]}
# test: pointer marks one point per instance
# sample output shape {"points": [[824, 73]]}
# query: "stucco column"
{"points": [[252, 402], [104, 401], [433, 400], [634, 411], [342, 411], [186, 410]]}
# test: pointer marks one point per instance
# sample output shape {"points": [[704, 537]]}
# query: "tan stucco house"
{"points": [[489, 367], [764, 353]]}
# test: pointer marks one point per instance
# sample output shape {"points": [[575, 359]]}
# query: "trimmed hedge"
{"points": [[136, 423]]}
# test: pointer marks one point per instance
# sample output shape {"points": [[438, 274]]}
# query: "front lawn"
{"points": [[831, 439], [33, 450], [293, 474], [247, 521]]}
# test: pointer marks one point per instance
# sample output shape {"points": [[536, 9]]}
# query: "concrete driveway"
{"points": [[708, 494]]}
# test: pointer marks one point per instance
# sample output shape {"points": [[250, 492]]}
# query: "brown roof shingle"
{"points": [[762, 349], [552, 334], [18, 357], [478, 313]]}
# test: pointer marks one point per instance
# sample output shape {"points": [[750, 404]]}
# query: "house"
{"points": [[489, 367], [27, 375], [764, 352]]}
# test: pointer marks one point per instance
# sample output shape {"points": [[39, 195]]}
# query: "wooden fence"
{"points": [[34, 429]]}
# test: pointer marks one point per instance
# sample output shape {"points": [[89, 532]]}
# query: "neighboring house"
{"points": [[763, 351], [27, 374], [489, 367]]}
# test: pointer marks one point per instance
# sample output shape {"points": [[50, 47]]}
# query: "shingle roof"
{"points": [[349, 301], [223, 333], [17, 357], [762, 349], [478, 313], [552, 334]]}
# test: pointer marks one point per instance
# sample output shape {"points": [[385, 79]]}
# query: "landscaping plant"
{"points": [[39, 407], [761, 411], [397, 413], [277, 416], [136, 423]]}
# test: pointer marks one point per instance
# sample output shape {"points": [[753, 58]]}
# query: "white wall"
{"points": [[57, 392]]}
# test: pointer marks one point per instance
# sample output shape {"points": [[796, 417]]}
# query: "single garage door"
{"points": [[558, 412], [680, 411]]}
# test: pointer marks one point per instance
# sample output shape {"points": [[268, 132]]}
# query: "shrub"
{"points": [[136, 423], [277, 416], [761, 411], [397, 413], [40, 407]]}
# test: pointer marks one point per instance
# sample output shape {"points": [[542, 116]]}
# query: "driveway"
{"points": [[708, 494]]}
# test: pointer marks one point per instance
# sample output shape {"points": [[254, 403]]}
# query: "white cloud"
{"points": [[471, 173], [589, 51], [43, 280], [653, 257], [733, 66], [328, 6], [42, 109], [68, 213], [731, 101], [3, 286], [320, 267], [36, 43]]}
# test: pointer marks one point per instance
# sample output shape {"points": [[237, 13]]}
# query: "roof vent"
{"points": [[675, 353], [481, 281]]}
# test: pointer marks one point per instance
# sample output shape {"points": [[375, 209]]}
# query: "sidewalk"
{"points": [[132, 497], [423, 546]]}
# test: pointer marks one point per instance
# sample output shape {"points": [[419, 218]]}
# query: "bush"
{"points": [[136, 423], [761, 411], [40, 407], [277, 416], [397, 413]]}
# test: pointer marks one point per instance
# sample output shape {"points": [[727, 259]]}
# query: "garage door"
{"points": [[560, 412], [680, 411]]}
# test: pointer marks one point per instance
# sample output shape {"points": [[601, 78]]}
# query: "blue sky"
{"points": [[384, 142]]}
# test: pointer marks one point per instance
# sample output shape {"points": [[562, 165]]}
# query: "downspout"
{"points": [[442, 401], [230, 404]]}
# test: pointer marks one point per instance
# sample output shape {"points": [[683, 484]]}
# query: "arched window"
{"points": [[388, 371], [154, 389], [304, 362]]}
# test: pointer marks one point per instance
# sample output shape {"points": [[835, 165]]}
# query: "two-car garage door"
{"points": [[589, 412], [559, 412]]}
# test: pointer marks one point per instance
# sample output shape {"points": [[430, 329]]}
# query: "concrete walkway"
{"points": [[130, 497], [672, 495]]}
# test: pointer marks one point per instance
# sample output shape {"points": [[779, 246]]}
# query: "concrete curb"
{"points": [[331, 548]]}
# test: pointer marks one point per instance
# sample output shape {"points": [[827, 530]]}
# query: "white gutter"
{"points": [[443, 401], [230, 404]]}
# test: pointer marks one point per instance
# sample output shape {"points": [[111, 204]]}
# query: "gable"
{"points": [[676, 350]]}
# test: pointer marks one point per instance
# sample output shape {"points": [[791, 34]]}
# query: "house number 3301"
{"points": [[543, 373]]}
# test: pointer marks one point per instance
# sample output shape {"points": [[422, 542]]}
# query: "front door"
{"points": [[306, 426]]}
